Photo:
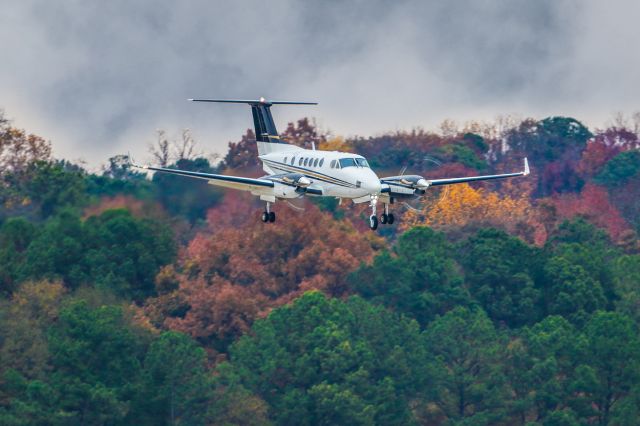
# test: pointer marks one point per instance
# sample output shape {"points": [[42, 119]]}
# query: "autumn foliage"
{"points": [[231, 275], [131, 299]]}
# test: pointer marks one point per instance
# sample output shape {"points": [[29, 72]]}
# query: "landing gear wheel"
{"points": [[265, 217], [384, 218], [390, 218], [272, 217], [373, 222]]}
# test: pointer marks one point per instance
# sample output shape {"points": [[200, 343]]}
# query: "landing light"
{"points": [[303, 181], [422, 183]]}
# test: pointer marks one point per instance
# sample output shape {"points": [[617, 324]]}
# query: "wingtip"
{"points": [[526, 166]]}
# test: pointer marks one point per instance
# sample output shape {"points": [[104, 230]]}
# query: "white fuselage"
{"points": [[337, 174]]}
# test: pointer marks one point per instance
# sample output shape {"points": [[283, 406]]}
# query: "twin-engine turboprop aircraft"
{"points": [[294, 172]]}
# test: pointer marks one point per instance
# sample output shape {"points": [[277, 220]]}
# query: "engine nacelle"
{"points": [[415, 181], [297, 179]]}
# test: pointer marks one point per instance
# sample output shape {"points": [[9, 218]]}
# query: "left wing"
{"points": [[235, 182], [409, 183]]}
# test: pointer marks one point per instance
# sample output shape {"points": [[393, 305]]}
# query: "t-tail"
{"points": [[267, 136]]}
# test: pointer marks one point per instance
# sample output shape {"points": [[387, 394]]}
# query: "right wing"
{"points": [[414, 184], [235, 182]]}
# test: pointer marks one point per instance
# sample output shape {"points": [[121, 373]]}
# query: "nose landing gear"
{"points": [[373, 219], [385, 219]]}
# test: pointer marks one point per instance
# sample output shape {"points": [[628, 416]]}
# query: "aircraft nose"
{"points": [[372, 186]]}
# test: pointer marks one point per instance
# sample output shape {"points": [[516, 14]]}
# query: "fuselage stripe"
{"points": [[320, 176]]}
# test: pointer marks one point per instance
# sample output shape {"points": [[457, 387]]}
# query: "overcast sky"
{"points": [[98, 78]]}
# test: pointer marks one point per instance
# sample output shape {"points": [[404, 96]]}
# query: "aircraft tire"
{"points": [[373, 222], [390, 219], [384, 218], [265, 217], [272, 217]]}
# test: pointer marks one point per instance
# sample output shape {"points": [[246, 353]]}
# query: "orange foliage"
{"points": [[240, 268]]}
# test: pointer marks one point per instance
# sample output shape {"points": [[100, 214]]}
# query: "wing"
{"points": [[450, 181], [408, 184], [235, 182]]}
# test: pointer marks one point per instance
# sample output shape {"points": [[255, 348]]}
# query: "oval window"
{"points": [[321, 161]]}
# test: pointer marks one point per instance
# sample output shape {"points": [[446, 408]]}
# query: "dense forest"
{"points": [[148, 300]]}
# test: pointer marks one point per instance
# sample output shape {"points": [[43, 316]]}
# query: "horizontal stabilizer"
{"points": [[262, 101]]}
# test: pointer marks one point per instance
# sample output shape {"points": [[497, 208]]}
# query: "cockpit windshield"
{"points": [[362, 162], [353, 162]]}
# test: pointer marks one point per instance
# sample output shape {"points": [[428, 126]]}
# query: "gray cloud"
{"points": [[99, 77]]}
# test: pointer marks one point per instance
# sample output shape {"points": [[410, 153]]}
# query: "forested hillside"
{"points": [[128, 299]]}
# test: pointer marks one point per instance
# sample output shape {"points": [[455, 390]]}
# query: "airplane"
{"points": [[294, 172]]}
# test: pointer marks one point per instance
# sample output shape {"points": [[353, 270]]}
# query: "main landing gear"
{"points": [[268, 215], [385, 219]]}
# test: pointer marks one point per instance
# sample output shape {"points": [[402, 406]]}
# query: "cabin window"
{"points": [[300, 161], [293, 160], [315, 162], [321, 161], [285, 159], [332, 164], [347, 162]]}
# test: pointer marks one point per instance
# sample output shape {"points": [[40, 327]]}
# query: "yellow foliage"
{"points": [[335, 144], [462, 205], [39, 299]]}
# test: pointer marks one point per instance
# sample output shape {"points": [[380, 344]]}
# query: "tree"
{"points": [[242, 154], [589, 248], [186, 196], [464, 207], [326, 361], [626, 271], [620, 169], [419, 277], [228, 278], [593, 204], [469, 385], [548, 139], [15, 236], [612, 364], [570, 291], [113, 250], [303, 133], [19, 150], [554, 145], [500, 272], [176, 385], [540, 366], [26, 316], [95, 358], [124, 253]]}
